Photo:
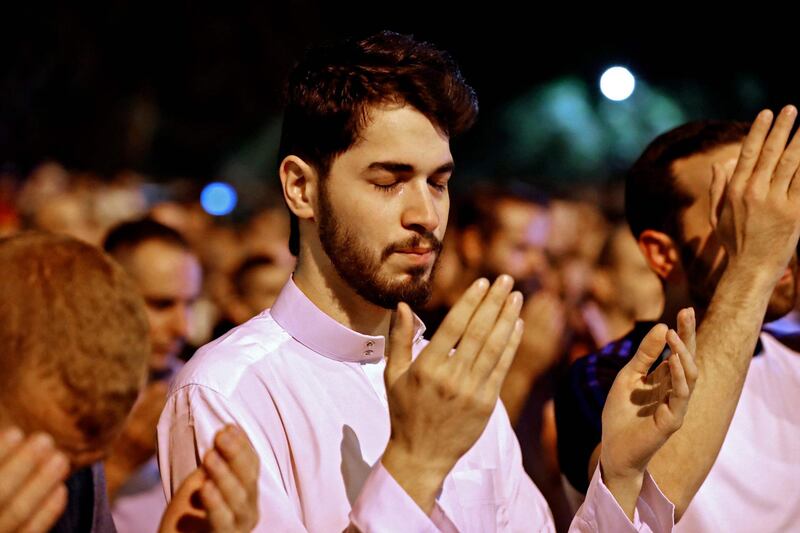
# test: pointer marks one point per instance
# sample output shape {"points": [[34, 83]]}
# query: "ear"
{"points": [[471, 244], [660, 252], [300, 183]]}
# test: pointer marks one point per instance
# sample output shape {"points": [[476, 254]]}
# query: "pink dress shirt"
{"points": [[309, 394]]}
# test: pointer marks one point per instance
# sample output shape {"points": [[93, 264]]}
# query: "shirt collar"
{"points": [[314, 329]]}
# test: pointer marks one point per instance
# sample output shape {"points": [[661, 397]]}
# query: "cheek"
{"points": [[159, 320]]}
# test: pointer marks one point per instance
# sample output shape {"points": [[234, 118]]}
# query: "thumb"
{"points": [[649, 349], [716, 191], [401, 335]]}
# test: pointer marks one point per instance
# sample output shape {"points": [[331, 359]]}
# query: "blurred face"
{"points": [[261, 286], [169, 279], [517, 247], [383, 207], [702, 255]]}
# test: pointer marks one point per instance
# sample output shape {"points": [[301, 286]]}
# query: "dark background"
{"points": [[183, 89]]}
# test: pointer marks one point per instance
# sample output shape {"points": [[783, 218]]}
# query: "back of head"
{"points": [[123, 239], [74, 324], [653, 200], [333, 87], [479, 208]]}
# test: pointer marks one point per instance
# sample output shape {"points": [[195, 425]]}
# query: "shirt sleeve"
{"points": [[601, 513], [186, 430], [383, 504]]}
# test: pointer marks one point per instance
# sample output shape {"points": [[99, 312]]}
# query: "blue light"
{"points": [[218, 198]]}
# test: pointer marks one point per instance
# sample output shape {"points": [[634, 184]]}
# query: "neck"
{"points": [[321, 284]]}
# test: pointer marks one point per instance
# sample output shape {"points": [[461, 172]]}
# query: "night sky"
{"points": [[198, 83]]}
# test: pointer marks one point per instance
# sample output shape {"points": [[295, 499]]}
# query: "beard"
{"points": [[360, 267], [703, 278]]}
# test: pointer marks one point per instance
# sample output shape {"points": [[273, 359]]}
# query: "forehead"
{"points": [[398, 134], [519, 215], [163, 268], [693, 174]]}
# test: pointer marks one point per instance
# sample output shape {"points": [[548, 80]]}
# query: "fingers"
{"points": [[794, 187], [772, 152], [681, 388], [484, 319], [716, 192], [235, 448], [455, 323], [48, 511], [789, 162], [401, 336], [30, 476], [687, 329], [225, 483], [10, 438], [230, 493], [219, 514], [22, 462], [498, 339], [500, 370], [751, 149], [649, 350]]}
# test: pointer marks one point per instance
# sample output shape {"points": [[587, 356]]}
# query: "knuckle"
{"points": [[748, 152]]}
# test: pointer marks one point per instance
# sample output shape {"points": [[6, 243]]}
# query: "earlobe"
{"points": [[659, 251], [299, 182]]}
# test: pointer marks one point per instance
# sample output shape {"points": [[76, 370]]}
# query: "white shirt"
{"points": [[754, 485]]}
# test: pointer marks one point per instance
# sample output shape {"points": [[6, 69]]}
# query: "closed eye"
{"points": [[386, 188]]}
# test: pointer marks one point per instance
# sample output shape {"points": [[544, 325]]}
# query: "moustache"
{"points": [[420, 240]]}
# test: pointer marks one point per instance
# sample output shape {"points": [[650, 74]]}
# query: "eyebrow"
{"points": [[405, 168]]}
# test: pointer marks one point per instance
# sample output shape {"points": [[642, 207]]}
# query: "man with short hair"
{"points": [[683, 212], [359, 422], [167, 274]]}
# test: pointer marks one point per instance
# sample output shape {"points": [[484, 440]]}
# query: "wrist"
{"points": [[755, 272], [419, 477], [625, 485]]}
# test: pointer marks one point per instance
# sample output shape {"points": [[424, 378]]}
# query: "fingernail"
{"points": [[482, 283], [212, 459], [790, 110], [58, 464], [42, 442], [13, 436], [226, 440]]}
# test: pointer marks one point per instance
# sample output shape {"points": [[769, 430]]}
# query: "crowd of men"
{"points": [[348, 365]]}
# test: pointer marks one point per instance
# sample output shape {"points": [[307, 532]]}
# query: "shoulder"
{"points": [[242, 352]]}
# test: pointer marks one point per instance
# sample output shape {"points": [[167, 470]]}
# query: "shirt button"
{"points": [[370, 344], [368, 352]]}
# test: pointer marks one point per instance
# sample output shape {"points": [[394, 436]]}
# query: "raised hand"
{"points": [[440, 402]]}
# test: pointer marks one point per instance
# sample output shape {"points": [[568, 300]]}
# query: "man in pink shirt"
{"points": [[358, 422]]}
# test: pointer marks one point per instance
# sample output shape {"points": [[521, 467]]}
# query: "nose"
{"points": [[181, 320], [421, 208]]}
